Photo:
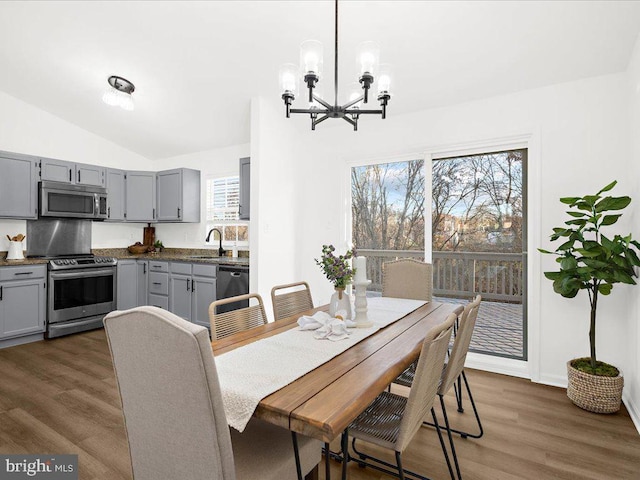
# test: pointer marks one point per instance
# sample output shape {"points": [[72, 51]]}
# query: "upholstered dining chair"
{"points": [[227, 323], [290, 299], [407, 278], [172, 405], [392, 420]]}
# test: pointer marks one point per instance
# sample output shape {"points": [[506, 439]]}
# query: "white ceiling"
{"points": [[196, 65]]}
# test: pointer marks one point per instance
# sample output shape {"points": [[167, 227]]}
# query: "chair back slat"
{"points": [[227, 323], [460, 345], [425, 383], [291, 303], [407, 278]]}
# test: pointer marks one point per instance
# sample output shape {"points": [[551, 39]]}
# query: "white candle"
{"points": [[361, 269]]}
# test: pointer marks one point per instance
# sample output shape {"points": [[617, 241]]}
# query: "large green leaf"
{"points": [[610, 219], [612, 203], [553, 275], [608, 187], [568, 263], [576, 214], [570, 200], [605, 288], [577, 221], [587, 253]]}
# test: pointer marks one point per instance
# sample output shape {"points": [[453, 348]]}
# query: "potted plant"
{"points": [[339, 272], [591, 261]]}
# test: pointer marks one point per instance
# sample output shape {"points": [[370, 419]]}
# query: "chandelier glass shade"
{"points": [[310, 71], [118, 94]]}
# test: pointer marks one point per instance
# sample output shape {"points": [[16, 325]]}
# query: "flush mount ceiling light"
{"points": [[311, 70], [119, 93]]}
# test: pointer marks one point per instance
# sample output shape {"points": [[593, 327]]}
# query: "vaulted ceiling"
{"points": [[196, 65]]}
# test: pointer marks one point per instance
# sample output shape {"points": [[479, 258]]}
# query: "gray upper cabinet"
{"points": [[69, 172], [245, 188], [140, 197], [90, 175], [178, 195], [115, 195], [57, 170], [18, 186]]}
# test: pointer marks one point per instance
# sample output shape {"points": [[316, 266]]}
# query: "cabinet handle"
{"points": [[178, 212], [156, 283], [108, 212], [1, 287], [187, 285], [78, 176], [144, 268], [154, 213], [23, 273], [69, 174], [193, 285], [157, 266]]}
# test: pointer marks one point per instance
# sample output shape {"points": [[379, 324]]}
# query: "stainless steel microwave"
{"points": [[58, 199]]}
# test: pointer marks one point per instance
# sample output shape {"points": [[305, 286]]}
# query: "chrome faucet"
{"points": [[221, 251]]}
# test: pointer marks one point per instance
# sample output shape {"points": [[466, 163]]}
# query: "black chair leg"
{"points": [[458, 392], [399, 463], [444, 448], [453, 448], [296, 453], [327, 465]]}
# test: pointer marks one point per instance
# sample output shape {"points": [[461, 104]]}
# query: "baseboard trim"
{"points": [[633, 410], [504, 366]]}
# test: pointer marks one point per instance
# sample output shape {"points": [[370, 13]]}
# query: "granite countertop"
{"points": [[206, 256]]}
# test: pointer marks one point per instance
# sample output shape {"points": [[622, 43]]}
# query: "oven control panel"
{"points": [[82, 262]]}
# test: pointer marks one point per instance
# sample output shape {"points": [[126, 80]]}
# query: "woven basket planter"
{"points": [[594, 393]]}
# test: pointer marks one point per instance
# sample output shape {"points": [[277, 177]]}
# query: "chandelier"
{"points": [[311, 68]]}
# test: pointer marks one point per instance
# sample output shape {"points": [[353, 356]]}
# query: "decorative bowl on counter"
{"points": [[138, 249]]}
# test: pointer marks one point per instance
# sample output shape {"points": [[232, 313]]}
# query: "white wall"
{"points": [[632, 371], [580, 141], [30, 130], [220, 162]]}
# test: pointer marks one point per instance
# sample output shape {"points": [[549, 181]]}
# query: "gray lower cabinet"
{"points": [[192, 288], [115, 195], [158, 284], [143, 282], [178, 195], [22, 300], [18, 186], [140, 197], [127, 294], [245, 189]]}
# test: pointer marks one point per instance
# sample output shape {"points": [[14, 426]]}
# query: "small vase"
{"points": [[340, 300]]}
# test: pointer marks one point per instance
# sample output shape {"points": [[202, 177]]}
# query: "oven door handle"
{"points": [[83, 273]]}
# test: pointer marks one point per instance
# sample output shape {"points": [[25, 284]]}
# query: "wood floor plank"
{"points": [[61, 397]]}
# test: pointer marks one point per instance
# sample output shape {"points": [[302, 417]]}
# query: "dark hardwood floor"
{"points": [[60, 396]]}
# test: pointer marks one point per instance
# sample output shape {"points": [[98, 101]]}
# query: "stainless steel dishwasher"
{"points": [[233, 280]]}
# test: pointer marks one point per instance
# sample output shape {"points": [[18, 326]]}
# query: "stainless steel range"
{"points": [[82, 287], [81, 292]]}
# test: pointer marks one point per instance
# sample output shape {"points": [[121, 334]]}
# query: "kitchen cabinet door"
{"points": [[127, 284], [18, 186], [143, 283], [140, 197], [57, 170], [89, 175], [245, 188], [180, 296], [22, 307], [115, 195], [178, 195], [203, 293]]}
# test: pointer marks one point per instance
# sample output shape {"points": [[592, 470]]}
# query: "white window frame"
{"points": [[212, 223]]}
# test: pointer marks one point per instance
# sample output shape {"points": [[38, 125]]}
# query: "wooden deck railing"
{"points": [[496, 276]]}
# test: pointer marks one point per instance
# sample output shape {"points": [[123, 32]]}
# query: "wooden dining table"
{"points": [[322, 403]]}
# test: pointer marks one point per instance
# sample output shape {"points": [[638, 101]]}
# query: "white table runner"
{"points": [[248, 374]]}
